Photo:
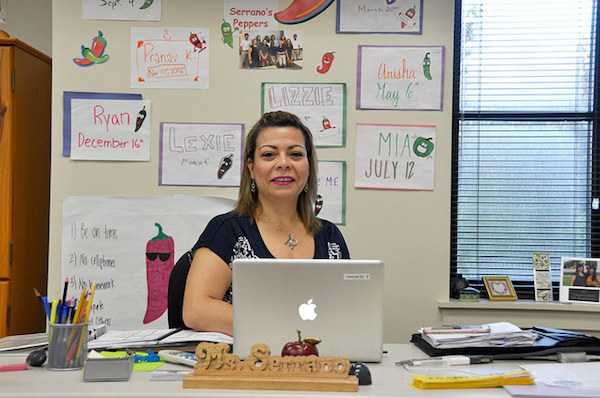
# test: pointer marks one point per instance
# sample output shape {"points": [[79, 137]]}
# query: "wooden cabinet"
{"points": [[25, 100]]}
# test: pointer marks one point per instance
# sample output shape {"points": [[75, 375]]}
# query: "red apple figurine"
{"points": [[308, 346]]}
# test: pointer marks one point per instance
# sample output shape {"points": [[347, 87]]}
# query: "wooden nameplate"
{"points": [[217, 368]]}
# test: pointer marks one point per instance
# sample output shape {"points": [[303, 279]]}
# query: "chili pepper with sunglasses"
{"points": [[160, 260]]}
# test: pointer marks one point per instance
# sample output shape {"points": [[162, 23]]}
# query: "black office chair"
{"points": [[176, 290]]}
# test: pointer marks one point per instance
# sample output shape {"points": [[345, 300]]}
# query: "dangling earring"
{"points": [[253, 186], [306, 187]]}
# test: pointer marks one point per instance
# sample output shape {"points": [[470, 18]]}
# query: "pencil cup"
{"points": [[67, 346]]}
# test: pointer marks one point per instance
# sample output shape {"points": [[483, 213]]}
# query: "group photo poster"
{"points": [[400, 78], [331, 193], [320, 106], [394, 156], [270, 49], [579, 282], [170, 58], [68, 96], [108, 129], [379, 16], [201, 154], [124, 10], [128, 246]]}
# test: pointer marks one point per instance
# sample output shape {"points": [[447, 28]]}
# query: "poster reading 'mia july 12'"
{"points": [[400, 78], [394, 156]]}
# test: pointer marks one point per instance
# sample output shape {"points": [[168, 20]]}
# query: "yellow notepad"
{"points": [[475, 381]]}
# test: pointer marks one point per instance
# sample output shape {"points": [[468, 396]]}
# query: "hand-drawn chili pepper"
{"points": [[199, 44], [326, 62], [227, 33], [140, 119], [160, 253], [302, 10], [318, 204], [225, 165], [423, 147], [147, 3], [427, 67], [98, 45]]}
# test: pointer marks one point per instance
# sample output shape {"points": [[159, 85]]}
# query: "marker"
{"points": [[53, 311], [447, 360], [16, 366]]}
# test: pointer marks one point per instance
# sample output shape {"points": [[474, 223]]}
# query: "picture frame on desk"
{"points": [[578, 280], [499, 288]]}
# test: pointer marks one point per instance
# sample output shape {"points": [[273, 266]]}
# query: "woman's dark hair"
{"points": [[248, 201]]}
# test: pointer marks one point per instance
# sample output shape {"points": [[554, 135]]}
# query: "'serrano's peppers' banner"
{"points": [[128, 246]]}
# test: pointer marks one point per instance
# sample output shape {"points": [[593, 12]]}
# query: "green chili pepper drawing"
{"points": [[423, 147], [227, 33], [427, 67], [147, 3], [140, 119]]}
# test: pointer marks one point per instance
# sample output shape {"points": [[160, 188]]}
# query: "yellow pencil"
{"points": [[79, 306], [89, 304]]}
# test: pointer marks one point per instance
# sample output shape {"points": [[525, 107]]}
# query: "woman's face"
{"points": [[280, 167]]}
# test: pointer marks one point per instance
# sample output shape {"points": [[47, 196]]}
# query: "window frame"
{"points": [[524, 289]]}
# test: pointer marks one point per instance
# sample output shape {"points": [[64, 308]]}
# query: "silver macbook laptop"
{"points": [[337, 301]]}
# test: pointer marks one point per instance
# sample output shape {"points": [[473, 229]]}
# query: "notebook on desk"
{"points": [[337, 301]]}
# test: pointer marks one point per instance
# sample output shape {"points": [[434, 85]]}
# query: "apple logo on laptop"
{"points": [[307, 310]]}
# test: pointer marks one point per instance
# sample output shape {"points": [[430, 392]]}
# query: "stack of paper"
{"points": [[502, 334], [116, 339], [475, 381]]}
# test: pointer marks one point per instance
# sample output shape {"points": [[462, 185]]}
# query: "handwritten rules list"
{"points": [[169, 58], [391, 156], [400, 78]]}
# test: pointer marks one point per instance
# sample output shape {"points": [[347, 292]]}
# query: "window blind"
{"points": [[524, 134]]}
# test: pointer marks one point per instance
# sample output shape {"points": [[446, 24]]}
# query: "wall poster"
{"points": [[321, 106], [331, 194], [400, 78], [128, 246], [201, 154], [394, 156], [169, 58], [390, 16]]}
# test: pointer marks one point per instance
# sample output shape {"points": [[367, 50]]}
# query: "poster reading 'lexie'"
{"points": [[393, 156], [201, 154], [106, 129]]}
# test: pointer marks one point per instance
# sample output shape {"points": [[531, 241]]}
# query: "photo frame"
{"points": [[578, 280], [499, 288]]}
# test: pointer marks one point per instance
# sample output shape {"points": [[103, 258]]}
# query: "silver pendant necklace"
{"points": [[291, 242]]}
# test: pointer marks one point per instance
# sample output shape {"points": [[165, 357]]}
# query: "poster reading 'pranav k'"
{"points": [[169, 58]]}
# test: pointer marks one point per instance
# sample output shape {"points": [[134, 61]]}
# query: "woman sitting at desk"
{"points": [[273, 218]]}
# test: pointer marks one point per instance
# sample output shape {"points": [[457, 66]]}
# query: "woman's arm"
{"points": [[208, 280]]}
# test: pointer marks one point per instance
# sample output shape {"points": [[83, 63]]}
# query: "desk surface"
{"points": [[389, 380]]}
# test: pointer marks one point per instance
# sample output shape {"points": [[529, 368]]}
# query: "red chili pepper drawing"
{"points": [[326, 124], [199, 44], [140, 119], [225, 165], [326, 62], [302, 10], [318, 204], [160, 253]]}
